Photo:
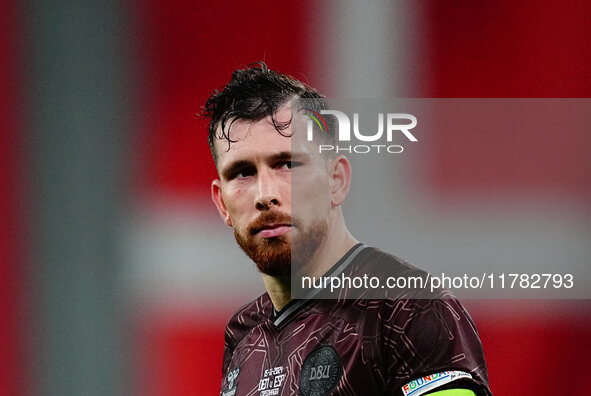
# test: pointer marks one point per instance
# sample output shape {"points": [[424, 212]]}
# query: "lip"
{"points": [[274, 230]]}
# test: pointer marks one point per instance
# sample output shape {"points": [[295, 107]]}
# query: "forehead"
{"points": [[252, 139]]}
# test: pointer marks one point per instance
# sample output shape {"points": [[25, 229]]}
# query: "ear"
{"points": [[340, 180], [218, 200]]}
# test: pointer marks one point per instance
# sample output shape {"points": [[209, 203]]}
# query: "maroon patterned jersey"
{"points": [[396, 345]]}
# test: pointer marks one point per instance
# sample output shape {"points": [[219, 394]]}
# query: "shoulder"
{"points": [[429, 321], [378, 261], [386, 276], [248, 317], [429, 336], [423, 332], [242, 322]]}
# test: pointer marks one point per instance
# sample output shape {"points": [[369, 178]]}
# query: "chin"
{"points": [[273, 257]]}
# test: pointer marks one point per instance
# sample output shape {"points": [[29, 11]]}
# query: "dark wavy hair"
{"points": [[252, 94]]}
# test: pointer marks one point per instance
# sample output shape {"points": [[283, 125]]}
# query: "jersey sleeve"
{"points": [[431, 344], [229, 345]]}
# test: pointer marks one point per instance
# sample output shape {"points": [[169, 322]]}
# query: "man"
{"points": [[392, 344]]}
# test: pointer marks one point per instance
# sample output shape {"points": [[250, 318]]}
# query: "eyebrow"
{"points": [[240, 164]]}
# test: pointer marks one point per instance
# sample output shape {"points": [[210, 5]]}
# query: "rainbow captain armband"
{"points": [[421, 386]]}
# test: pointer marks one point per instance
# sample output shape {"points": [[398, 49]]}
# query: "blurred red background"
{"points": [[186, 49]]}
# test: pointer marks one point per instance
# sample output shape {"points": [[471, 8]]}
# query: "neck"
{"points": [[279, 289], [331, 251]]}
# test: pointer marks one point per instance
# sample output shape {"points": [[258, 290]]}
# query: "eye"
{"points": [[289, 164], [241, 173]]}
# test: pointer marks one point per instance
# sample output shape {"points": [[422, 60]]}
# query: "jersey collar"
{"points": [[279, 317]]}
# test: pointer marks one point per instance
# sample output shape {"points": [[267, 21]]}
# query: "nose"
{"points": [[268, 192]]}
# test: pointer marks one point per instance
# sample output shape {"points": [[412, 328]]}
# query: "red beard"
{"points": [[274, 256]]}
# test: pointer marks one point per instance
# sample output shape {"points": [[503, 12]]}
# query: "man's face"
{"points": [[254, 194]]}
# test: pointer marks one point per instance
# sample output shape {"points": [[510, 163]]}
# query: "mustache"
{"points": [[272, 217]]}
